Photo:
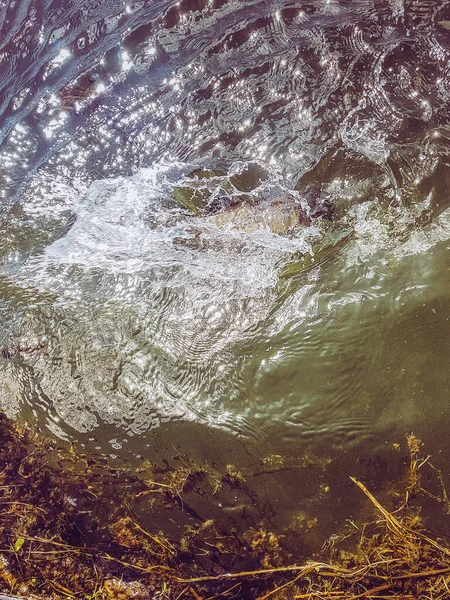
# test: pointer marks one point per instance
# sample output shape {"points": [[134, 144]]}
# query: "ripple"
{"points": [[123, 308]]}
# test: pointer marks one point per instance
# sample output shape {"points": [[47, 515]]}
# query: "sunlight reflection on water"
{"points": [[123, 308]]}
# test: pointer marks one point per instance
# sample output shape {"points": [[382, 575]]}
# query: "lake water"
{"points": [[143, 329]]}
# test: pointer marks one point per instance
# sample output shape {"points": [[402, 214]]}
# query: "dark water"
{"points": [[141, 329]]}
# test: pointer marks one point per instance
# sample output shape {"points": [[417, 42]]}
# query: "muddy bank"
{"points": [[72, 527]]}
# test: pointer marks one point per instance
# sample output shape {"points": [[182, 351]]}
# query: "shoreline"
{"points": [[69, 530]]}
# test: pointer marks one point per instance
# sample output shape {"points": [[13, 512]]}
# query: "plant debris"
{"points": [[62, 536]]}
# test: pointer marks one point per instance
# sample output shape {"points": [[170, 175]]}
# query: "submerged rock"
{"points": [[281, 213], [242, 202], [194, 195], [277, 210], [209, 191]]}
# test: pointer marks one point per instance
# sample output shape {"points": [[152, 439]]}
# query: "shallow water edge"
{"points": [[83, 526]]}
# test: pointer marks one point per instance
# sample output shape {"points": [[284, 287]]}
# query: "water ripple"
{"points": [[122, 307]]}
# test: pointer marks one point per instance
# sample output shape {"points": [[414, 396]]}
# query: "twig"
{"points": [[236, 585], [445, 498], [309, 567], [379, 588], [169, 548], [285, 585], [327, 594], [429, 573], [194, 593], [250, 573], [24, 504], [182, 593], [61, 589], [395, 524], [138, 567]]}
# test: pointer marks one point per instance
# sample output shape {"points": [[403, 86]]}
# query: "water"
{"points": [[137, 326]]}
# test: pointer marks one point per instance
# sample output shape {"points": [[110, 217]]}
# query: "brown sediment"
{"points": [[62, 536]]}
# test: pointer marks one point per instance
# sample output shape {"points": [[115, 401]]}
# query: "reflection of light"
{"points": [[54, 100], [127, 63], [277, 356], [54, 124], [63, 55], [175, 84]]}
